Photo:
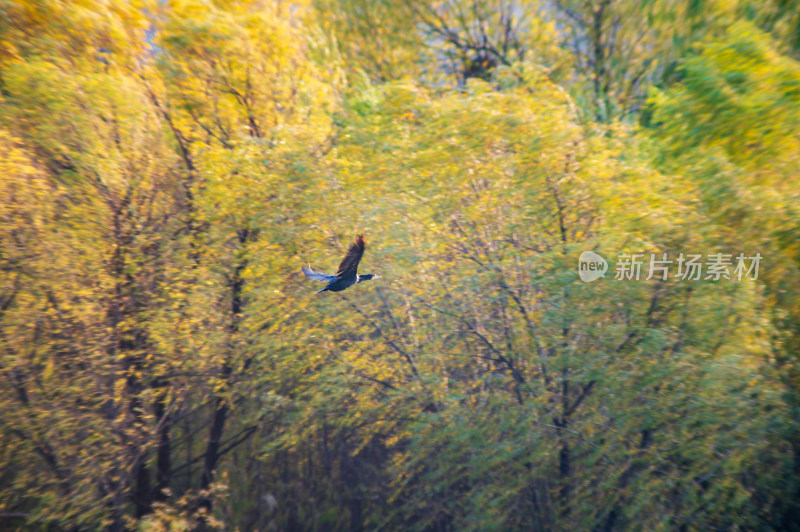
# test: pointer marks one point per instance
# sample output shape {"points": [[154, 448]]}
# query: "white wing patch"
{"points": [[311, 274]]}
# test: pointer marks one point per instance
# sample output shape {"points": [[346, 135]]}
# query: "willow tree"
{"points": [[480, 382], [745, 166]]}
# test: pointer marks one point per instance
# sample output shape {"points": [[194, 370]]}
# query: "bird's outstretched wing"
{"points": [[311, 274], [349, 264]]}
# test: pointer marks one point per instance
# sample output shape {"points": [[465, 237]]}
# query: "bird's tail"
{"points": [[322, 290]]}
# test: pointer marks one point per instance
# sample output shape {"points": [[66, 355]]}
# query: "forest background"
{"points": [[167, 167]]}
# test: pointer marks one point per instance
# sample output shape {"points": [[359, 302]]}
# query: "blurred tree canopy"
{"points": [[167, 167]]}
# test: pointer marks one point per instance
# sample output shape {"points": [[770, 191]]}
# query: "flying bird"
{"points": [[347, 274]]}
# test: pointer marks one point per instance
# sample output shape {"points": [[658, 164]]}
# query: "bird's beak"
{"points": [[377, 277]]}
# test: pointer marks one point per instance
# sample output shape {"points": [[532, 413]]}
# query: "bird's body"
{"points": [[347, 274]]}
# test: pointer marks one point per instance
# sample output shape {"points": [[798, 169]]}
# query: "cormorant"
{"points": [[347, 274]]}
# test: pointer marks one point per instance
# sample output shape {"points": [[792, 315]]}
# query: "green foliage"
{"points": [[745, 158]]}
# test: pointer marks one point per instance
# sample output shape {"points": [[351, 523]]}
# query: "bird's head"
{"points": [[368, 277]]}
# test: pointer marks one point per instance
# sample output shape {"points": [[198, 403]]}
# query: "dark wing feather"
{"points": [[311, 274], [349, 265]]}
